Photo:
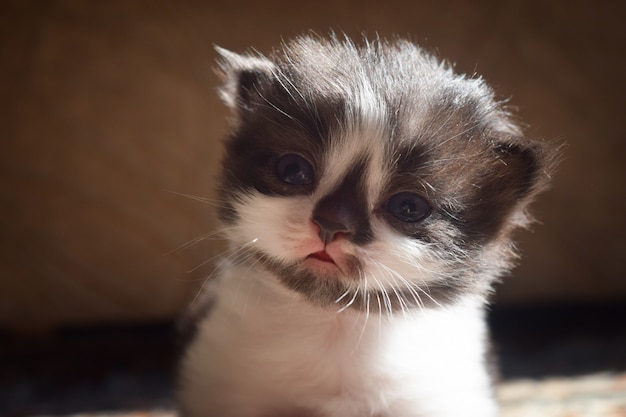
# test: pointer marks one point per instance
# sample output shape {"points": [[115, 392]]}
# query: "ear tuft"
{"points": [[528, 165], [243, 77]]}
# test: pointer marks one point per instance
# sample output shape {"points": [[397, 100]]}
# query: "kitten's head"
{"points": [[373, 176]]}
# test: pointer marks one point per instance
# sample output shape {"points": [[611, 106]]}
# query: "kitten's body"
{"points": [[369, 195], [277, 355]]}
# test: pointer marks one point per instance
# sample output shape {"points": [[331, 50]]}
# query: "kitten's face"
{"points": [[371, 178]]}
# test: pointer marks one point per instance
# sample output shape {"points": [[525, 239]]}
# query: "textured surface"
{"points": [[586, 396], [601, 395], [572, 363]]}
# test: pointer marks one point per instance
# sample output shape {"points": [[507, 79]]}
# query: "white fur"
{"points": [[263, 348]]}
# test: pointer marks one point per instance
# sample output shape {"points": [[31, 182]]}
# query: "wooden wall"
{"points": [[108, 111]]}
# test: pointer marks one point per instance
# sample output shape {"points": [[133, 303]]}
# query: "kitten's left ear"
{"points": [[525, 165], [518, 169], [244, 77]]}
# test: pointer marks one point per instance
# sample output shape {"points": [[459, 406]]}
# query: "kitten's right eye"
{"points": [[294, 169]]}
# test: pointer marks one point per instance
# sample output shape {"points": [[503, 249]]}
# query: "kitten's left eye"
{"points": [[294, 169], [408, 207]]}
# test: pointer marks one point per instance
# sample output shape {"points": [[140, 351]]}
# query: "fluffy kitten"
{"points": [[369, 195]]}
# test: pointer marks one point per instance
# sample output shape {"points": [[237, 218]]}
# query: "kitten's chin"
{"points": [[332, 264], [322, 264], [322, 269], [320, 277]]}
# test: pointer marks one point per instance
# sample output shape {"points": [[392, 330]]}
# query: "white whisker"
{"points": [[407, 284], [356, 293], [232, 256], [198, 239], [366, 296], [250, 284], [209, 201], [345, 293], [386, 299]]}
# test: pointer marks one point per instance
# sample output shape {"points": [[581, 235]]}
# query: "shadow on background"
{"points": [[82, 370], [559, 340]]}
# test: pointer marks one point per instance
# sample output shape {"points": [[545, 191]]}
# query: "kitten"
{"points": [[369, 195]]}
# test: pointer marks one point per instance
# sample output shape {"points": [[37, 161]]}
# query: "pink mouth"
{"points": [[322, 256]]}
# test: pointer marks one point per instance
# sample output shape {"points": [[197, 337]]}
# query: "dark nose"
{"points": [[331, 222], [344, 211]]}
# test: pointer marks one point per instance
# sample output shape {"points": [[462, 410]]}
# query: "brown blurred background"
{"points": [[108, 110]]}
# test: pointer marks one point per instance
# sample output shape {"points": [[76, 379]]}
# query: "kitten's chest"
{"points": [[290, 347], [300, 339], [260, 348]]}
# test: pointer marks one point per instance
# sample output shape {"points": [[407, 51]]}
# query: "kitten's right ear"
{"points": [[243, 76]]}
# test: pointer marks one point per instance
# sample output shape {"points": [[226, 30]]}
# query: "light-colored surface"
{"points": [[599, 395]]}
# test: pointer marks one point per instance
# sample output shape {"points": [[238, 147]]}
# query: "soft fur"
{"points": [[333, 302]]}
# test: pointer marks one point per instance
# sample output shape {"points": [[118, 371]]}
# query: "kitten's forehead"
{"points": [[361, 138], [396, 76], [388, 95]]}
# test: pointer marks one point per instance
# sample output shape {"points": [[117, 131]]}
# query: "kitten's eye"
{"points": [[294, 169], [408, 207]]}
